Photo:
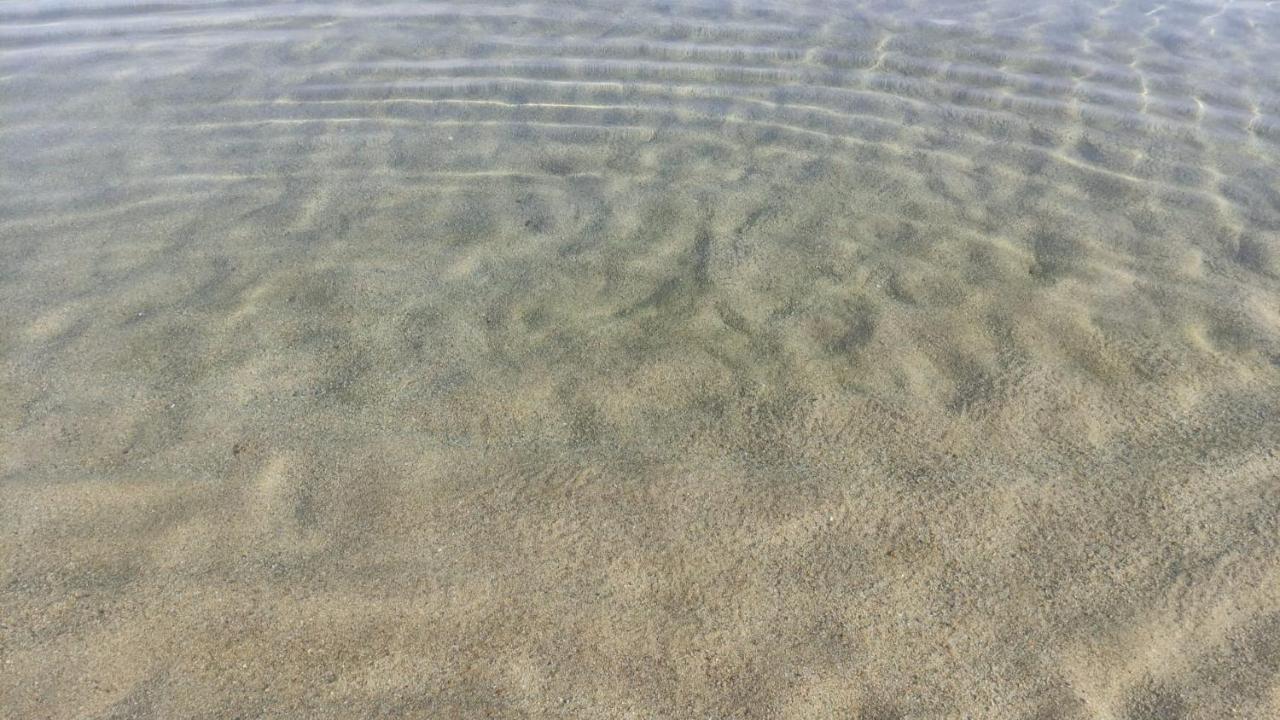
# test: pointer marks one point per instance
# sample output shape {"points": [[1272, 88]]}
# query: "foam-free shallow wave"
{"points": [[679, 360]]}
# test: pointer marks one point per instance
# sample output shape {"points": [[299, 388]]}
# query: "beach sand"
{"points": [[497, 361]]}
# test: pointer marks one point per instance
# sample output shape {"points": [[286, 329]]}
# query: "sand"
{"points": [[684, 361]]}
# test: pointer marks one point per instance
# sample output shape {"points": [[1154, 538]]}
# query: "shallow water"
{"points": [[683, 360]]}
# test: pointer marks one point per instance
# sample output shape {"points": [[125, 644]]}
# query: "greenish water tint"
{"points": [[910, 359]]}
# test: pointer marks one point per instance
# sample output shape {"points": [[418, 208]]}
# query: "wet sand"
{"points": [[693, 360]]}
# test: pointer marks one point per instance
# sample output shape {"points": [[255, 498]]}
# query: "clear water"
{"points": [[688, 359]]}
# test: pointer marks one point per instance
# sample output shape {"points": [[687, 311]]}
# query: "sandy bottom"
{"points": [[404, 363]]}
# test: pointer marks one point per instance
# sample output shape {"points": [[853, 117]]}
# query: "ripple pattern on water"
{"points": [[732, 359]]}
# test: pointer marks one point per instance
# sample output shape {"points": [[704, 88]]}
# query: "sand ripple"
{"points": [[693, 359]]}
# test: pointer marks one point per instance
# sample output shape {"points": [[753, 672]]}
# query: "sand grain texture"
{"points": [[750, 360]]}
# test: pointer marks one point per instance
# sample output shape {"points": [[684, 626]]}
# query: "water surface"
{"points": [[689, 359]]}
